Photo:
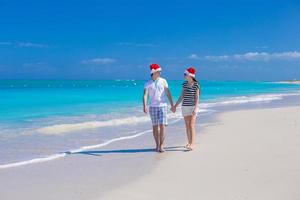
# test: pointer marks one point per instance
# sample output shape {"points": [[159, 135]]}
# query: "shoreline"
{"points": [[206, 108], [290, 82], [89, 173], [93, 176]]}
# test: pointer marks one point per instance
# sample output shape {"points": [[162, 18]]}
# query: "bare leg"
{"points": [[161, 137], [193, 130], [156, 136], [187, 120]]}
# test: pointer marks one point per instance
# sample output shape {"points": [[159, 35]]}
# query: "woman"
{"points": [[189, 98]]}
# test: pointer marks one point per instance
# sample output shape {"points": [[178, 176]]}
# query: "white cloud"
{"points": [[25, 44], [194, 56], [250, 56], [99, 61], [216, 58], [287, 55], [136, 44], [30, 44]]}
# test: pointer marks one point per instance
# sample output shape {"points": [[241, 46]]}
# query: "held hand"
{"points": [[173, 109], [145, 110]]}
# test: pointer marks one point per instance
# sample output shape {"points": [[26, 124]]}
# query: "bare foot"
{"points": [[161, 150], [189, 147], [192, 147]]}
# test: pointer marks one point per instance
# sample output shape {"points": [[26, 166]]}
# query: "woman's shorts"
{"points": [[158, 115], [187, 110]]}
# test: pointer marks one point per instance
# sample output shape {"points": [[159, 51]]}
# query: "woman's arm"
{"points": [[180, 98], [197, 94]]}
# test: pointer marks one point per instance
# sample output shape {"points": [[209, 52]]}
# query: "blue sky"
{"points": [[117, 39]]}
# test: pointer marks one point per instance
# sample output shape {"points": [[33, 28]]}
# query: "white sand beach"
{"points": [[247, 154], [252, 154]]}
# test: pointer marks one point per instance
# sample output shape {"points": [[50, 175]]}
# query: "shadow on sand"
{"points": [[126, 151]]}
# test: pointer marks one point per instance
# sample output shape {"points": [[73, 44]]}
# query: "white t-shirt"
{"points": [[156, 91]]}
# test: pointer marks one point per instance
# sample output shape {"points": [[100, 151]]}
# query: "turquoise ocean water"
{"points": [[41, 119]]}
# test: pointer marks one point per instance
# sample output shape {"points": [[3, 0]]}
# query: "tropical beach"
{"points": [[167, 100], [243, 154], [245, 149], [47, 120]]}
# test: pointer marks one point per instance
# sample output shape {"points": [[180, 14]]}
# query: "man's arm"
{"points": [[145, 97], [168, 93]]}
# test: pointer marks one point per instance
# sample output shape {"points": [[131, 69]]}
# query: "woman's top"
{"points": [[189, 93]]}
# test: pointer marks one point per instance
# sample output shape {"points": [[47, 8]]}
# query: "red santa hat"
{"points": [[154, 68], [191, 72]]}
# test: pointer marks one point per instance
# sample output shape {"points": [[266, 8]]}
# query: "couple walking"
{"points": [[156, 89]]}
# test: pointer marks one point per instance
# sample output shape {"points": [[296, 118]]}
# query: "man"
{"points": [[156, 89]]}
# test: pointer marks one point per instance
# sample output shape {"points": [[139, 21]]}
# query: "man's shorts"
{"points": [[158, 115]]}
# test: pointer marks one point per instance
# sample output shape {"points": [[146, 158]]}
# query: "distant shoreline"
{"points": [[290, 81]]}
